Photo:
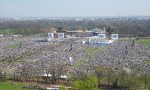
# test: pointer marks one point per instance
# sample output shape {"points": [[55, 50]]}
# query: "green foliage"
{"points": [[100, 72], [7, 31], [122, 79], [129, 81], [17, 31], [12, 46], [109, 30], [59, 29], [62, 88], [77, 63], [145, 42], [146, 80], [87, 83], [11, 86], [132, 27], [2, 76], [136, 82]]}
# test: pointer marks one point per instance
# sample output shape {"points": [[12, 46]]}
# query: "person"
{"points": [[20, 45], [70, 48], [126, 50], [133, 43]]}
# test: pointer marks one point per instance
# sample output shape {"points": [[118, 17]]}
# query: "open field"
{"points": [[145, 42], [12, 86]]}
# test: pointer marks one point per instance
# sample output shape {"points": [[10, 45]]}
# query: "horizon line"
{"points": [[74, 16]]}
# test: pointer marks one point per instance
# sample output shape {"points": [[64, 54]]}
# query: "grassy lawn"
{"points": [[88, 53], [11, 86], [12, 46], [145, 42]]}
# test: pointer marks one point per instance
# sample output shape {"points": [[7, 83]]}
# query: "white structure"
{"points": [[63, 76], [50, 35], [46, 75], [99, 31], [114, 36], [61, 35], [83, 42], [49, 39], [71, 59], [102, 36], [1, 36]]}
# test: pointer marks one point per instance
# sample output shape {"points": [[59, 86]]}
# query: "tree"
{"points": [[62, 88], [87, 83], [2, 76], [109, 30], [60, 29]]}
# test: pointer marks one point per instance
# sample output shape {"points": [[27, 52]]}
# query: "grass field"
{"points": [[12, 46], [88, 52], [11, 86], [91, 51], [145, 42]]}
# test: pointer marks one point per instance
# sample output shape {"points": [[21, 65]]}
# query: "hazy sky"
{"points": [[56, 8]]}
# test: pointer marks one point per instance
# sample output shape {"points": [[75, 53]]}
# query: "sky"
{"points": [[73, 8]]}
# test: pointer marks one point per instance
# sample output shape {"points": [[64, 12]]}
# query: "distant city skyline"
{"points": [[73, 8]]}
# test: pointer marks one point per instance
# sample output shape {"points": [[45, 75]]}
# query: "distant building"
{"points": [[74, 33], [80, 33], [49, 30], [1, 35], [97, 31]]}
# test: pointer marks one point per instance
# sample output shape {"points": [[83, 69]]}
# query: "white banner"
{"points": [[102, 36], [50, 35], [61, 35], [114, 36]]}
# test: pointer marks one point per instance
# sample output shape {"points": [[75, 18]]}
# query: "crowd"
{"points": [[122, 54], [29, 56]]}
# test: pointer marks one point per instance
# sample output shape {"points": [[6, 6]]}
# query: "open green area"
{"points": [[12, 86], [87, 83], [91, 51], [145, 42], [9, 31], [88, 53], [12, 46]]}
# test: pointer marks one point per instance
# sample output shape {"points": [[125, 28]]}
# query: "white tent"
{"points": [[50, 35], [46, 75], [102, 36], [63, 76], [61, 35], [114, 36]]}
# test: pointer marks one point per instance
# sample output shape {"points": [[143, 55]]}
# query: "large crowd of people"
{"points": [[27, 55]]}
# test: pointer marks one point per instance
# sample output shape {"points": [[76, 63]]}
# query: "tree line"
{"points": [[122, 27]]}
